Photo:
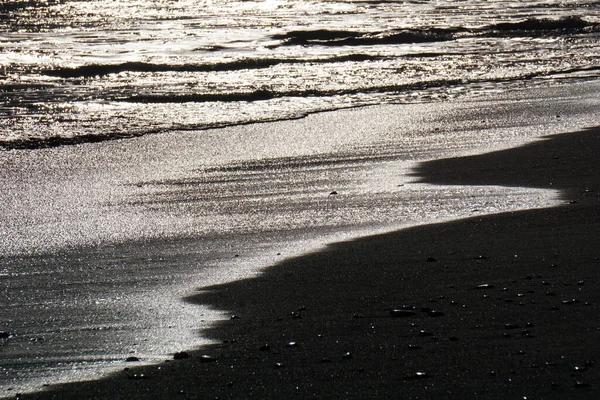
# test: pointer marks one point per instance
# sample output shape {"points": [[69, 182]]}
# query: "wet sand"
{"points": [[494, 306]]}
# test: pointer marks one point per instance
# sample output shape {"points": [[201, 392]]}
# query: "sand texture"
{"points": [[496, 306]]}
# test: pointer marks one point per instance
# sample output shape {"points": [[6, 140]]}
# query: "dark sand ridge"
{"points": [[516, 299]]}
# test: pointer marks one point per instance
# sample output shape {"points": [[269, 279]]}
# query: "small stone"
{"points": [[484, 286], [292, 344], [132, 359], [417, 376], [279, 365], [414, 347], [580, 385], [136, 376], [207, 359], [296, 315], [235, 317], [4, 335], [425, 334], [181, 355], [571, 301], [433, 313], [401, 313], [347, 356]]}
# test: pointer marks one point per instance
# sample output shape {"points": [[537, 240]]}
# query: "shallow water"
{"points": [[89, 70]]}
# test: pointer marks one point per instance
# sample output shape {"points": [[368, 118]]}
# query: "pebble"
{"points": [[433, 313], [401, 313], [571, 301], [132, 359], [484, 286], [4, 335], [207, 358], [136, 376], [347, 356], [580, 385], [418, 375]]}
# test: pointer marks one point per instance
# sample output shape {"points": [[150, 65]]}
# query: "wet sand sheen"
{"points": [[497, 306]]}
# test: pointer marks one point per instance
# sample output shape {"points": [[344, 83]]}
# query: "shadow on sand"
{"points": [[498, 306]]}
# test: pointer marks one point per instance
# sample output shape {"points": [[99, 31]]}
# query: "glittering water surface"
{"points": [[88, 70]]}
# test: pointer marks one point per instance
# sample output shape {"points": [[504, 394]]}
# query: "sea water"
{"points": [[99, 243], [76, 71]]}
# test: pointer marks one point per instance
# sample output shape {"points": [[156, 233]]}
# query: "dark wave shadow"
{"points": [[569, 163], [498, 306]]}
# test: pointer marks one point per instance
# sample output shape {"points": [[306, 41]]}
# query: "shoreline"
{"points": [[496, 306]]}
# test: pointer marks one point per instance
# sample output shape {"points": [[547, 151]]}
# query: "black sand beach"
{"points": [[493, 306]]}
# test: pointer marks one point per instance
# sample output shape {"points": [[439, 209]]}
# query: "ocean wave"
{"points": [[94, 70], [326, 37], [530, 27], [534, 26]]}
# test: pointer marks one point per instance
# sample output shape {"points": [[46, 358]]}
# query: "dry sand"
{"points": [[497, 306]]}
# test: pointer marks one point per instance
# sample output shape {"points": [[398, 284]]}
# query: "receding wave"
{"points": [[529, 27], [93, 70], [326, 37], [264, 94], [568, 24]]}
